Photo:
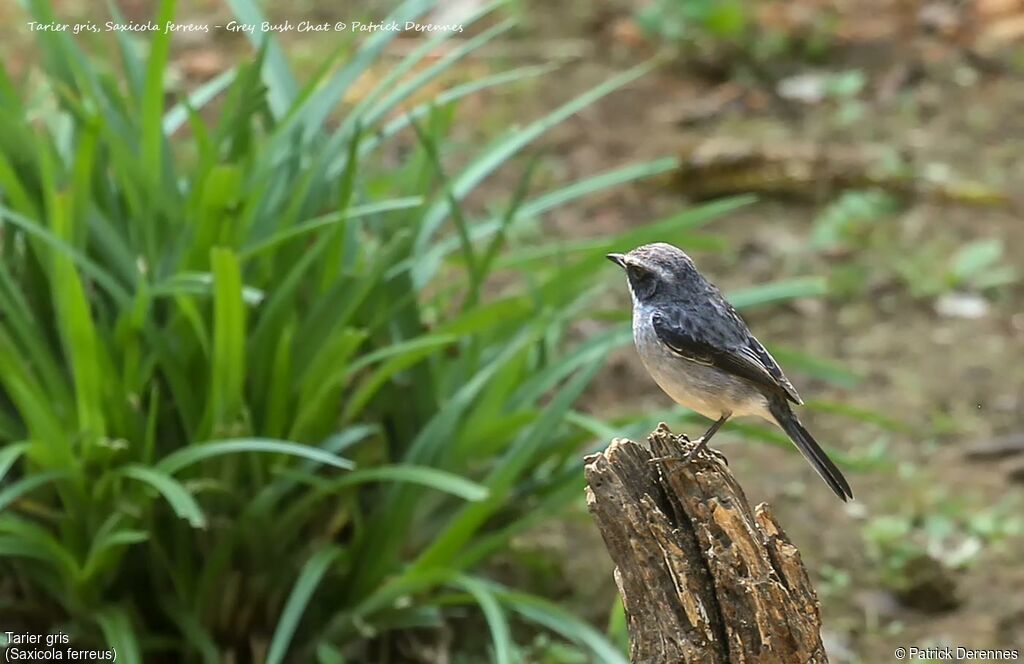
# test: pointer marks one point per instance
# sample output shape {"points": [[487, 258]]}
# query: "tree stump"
{"points": [[703, 577]]}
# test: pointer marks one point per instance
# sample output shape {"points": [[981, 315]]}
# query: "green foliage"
{"points": [[687, 20], [835, 581], [976, 266], [979, 266], [949, 531], [844, 89], [848, 220], [724, 29], [863, 224]]}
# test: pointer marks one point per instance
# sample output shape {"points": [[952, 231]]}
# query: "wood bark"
{"points": [[703, 577]]}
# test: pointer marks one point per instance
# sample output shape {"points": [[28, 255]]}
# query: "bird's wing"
{"points": [[728, 347]]}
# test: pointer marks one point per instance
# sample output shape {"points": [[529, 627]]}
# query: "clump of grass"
{"points": [[254, 398]]}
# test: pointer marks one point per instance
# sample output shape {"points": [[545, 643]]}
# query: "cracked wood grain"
{"points": [[703, 576]]}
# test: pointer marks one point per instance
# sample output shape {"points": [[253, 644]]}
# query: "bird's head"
{"points": [[657, 270]]}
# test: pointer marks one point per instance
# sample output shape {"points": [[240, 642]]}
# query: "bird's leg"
{"points": [[702, 444]]}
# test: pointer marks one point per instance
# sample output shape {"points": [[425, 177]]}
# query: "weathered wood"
{"points": [[720, 166], [703, 577]]}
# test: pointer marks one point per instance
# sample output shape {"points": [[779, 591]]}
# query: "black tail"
{"points": [[810, 449]]}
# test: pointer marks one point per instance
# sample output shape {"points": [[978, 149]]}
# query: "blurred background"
{"points": [[304, 334]]}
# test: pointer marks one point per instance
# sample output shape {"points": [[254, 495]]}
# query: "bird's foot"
{"points": [[700, 446], [721, 458]]}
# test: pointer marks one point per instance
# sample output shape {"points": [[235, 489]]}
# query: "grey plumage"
{"points": [[701, 353]]}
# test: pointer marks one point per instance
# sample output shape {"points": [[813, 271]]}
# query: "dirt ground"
{"points": [[953, 382]]}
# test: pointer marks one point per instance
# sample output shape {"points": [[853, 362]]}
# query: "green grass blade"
{"points": [[591, 351], [281, 84], [596, 183], [227, 370], [196, 635], [278, 402], [14, 189], [187, 456], [153, 95], [499, 239], [309, 578], [132, 62], [176, 495], [49, 443], [89, 267], [778, 291], [558, 620], [383, 539], [106, 542], [798, 361], [328, 654], [675, 229], [401, 92], [444, 98], [19, 547], [439, 430], [24, 538], [618, 631], [501, 637], [566, 488], [346, 438], [429, 144], [9, 455], [79, 336], [430, 261], [399, 358], [461, 528], [200, 283], [26, 485], [420, 476], [321, 385], [117, 628], [178, 114], [334, 444], [596, 427], [860, 414], [65, 62], [316, 109], [432, 478], [306, 227], [500, 153]]}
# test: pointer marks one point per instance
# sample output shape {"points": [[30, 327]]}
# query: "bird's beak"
{"points": [[618, 259]]}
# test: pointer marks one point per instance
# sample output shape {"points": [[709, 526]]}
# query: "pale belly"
{"points": [[703, 389]]}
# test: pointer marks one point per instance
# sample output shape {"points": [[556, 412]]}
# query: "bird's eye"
{"points": [[643, 281], [638, 274]]}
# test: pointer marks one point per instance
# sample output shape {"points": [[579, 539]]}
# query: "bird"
{"points": [[701, 353]]}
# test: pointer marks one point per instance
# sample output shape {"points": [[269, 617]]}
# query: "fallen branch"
{"points": [[722, 166], [997, 448], [703, 577]]}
